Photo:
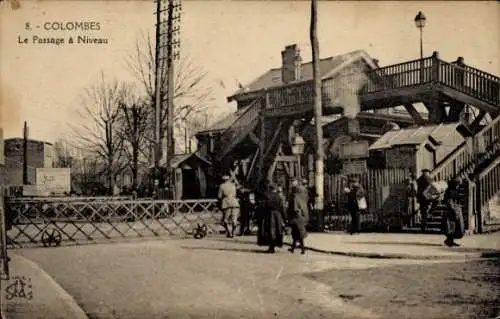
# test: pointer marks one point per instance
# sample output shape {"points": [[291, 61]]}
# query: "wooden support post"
{"points": [[474, 126], [414, 113], [479, 208], [261, 148], [456, 109], [471, 193], [437, 112]]}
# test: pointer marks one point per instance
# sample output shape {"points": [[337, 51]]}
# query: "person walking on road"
{"points": [[298, 215], [229, 205], [356, 203], [271, 219], [454, 221], [423, 182]]}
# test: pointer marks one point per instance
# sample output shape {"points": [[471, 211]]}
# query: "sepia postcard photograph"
{"points": [[238, 159]]}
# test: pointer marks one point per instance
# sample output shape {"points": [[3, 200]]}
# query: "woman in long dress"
{"points": [[298, 215], [271, 219], [454, 220]]}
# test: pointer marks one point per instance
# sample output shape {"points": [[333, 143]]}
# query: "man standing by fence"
{"points": [[356, 203], [411, 196], [229, 205]]}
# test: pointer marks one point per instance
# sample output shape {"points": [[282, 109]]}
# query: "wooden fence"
{"points": [[386, 196]]}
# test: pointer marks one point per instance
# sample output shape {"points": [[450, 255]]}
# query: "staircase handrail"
{"points": [[449, 166]]}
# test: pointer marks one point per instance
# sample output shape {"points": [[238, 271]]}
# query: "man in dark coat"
{"points": [[454, 221], [355, 194], [271, 219], [298, 215], [246, 212], [423, 182]]}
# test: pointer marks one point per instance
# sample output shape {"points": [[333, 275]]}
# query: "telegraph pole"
{"points": [[25, 154], [318, 112], [167, 50]]}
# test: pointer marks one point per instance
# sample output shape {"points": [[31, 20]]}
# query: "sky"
{"points": [[234, 41]]}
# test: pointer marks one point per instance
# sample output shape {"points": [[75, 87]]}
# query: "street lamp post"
{"points": [[297, 150], [420, 23]]}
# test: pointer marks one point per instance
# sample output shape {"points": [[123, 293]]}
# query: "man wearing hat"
{"points": [[229, 205], [356, 203], [423, 182]]}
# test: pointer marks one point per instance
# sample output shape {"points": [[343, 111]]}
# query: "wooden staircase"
{"points": [[483, 169], [240, 128]]}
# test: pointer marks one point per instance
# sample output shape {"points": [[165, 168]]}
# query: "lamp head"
{"points": [[420, 20]]}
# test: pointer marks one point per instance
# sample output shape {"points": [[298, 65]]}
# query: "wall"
{"points": [[402, 157], [425, 160]]}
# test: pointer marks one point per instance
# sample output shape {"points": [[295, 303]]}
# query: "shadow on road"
{"points": [[395, 243], [254, 251]]}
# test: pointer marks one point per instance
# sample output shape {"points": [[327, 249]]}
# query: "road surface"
{"points": [[217, 278]]}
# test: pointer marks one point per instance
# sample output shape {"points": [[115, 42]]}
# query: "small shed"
{"points": [[416, 148], [192, 175]]}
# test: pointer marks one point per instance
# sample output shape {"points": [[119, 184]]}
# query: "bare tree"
{"points": [[99, 132], [133, 130], [192, 92], [64, 156]]}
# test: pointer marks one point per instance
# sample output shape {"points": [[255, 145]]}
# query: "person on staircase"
{"points": [[453, 221], [423, 182], [229, 204]]}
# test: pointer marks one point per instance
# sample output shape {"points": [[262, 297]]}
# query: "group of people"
{"points": [[418, 192], [273, 213]]}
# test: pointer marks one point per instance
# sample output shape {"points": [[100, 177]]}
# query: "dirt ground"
{"points": [[431, 291]]}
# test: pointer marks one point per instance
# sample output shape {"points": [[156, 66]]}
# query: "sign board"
{"points": [[54, 180], [354, 150], [354, 167]]}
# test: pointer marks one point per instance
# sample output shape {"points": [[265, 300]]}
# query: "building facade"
{"points": [[39, 155]]}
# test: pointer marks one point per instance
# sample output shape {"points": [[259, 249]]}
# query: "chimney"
{"points": [[291, 64]]}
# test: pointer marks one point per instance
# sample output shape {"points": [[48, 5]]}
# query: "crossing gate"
{"points": [[56, 221]]}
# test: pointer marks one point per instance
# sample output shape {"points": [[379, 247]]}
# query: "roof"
{"points": [[444, 134], [226, 121], [179, 159], [327, 67], [20, 139]]}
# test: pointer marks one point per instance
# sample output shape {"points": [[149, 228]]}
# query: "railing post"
{"points": [[471, 193], [435, 68], [479, 208], [267, 103], [460, 73]]}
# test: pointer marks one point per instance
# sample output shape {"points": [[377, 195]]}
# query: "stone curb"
{"points": [[458, 256], [69, 301], [375, 255], [403, 256]]}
